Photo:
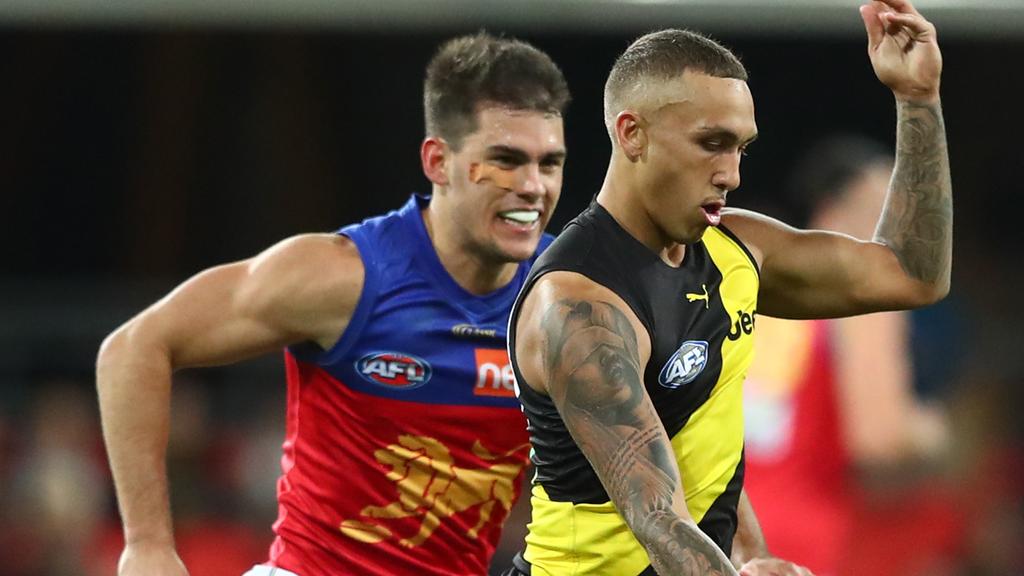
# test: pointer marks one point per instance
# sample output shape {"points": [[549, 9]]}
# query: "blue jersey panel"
{"points": [[416, 334]]}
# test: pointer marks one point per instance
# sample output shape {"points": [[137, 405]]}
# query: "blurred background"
{"points": [[142, 142]]}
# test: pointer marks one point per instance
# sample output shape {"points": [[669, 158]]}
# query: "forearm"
{"points": [[917, 220], [133, 380], [677, 546], [749, 541]]}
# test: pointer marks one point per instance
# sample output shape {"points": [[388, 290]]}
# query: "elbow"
{"points": [[914, 293], [132, 344], [930, 293], [112, 352], [112, 346], [940, 292]]}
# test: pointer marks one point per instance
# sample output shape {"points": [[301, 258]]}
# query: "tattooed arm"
{"points": [[815, 274], [578, 342]]}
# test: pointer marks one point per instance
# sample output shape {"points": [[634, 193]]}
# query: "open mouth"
{"points": [[713, 212], [521, 217]]}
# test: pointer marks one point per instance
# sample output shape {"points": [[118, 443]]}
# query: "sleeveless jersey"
{"points": [[699, 317], [405, 444]]}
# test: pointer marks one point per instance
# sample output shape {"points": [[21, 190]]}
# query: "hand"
{"points": [[150, 559], [773, 567], [904, 50]]}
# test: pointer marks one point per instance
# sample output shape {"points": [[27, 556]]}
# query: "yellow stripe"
{"points": [[710, 445]]}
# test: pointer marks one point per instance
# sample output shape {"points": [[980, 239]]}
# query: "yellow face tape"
{"points": [[500, 177]]}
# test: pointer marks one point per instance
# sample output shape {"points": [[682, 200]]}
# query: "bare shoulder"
{"points": [[308, 257], [757, 231], [312, 280], [558, 306], [559, 287]]}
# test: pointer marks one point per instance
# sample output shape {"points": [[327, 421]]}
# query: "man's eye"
{"points": [[504, 162]]}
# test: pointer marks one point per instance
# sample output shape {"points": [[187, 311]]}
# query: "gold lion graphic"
{"points": [[431, 487]]}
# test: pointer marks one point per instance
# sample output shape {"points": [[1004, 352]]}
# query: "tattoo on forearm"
{"points": [[592, 368], [683, 551], [917, 221]]}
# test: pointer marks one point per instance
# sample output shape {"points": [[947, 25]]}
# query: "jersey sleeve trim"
{"points": [[739, 243]]}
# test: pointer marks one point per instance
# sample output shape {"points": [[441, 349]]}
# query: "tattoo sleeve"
{"points": [[917, 220], [592, 368]]}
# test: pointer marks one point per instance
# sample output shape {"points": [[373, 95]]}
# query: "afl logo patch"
{"points": [[685, 364], [394, 370]]}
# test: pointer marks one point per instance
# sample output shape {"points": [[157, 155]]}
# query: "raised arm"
{"points": [[813, 274], [579, 344], [302, 289]]}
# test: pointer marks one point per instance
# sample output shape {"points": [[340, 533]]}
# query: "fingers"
{"points": [[901, 6], [872, 24], [880, 20], [917, 26]]}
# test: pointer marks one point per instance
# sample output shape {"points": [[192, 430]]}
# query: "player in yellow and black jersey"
{"points": [[631, 337]]}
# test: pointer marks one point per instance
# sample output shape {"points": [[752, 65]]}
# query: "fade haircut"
{"points": [[665, 55], [481, 69]]}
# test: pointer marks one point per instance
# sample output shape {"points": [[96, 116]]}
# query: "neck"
{"points": [[475, 273], [620, 196]]}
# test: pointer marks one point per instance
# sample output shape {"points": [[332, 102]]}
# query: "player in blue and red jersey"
{"points": [[405, 442]]}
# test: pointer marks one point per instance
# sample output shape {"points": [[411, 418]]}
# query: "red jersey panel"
{"points": [[371, 487]]}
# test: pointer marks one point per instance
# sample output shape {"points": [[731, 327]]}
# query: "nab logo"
{"points": [[685, 364], [394, 370], [744, 324], [494, 376]]}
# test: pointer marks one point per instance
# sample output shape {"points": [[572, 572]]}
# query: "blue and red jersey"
{"points": [[405, 444]]}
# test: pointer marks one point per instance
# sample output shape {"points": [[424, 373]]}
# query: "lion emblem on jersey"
{"points": [[431, 487]]}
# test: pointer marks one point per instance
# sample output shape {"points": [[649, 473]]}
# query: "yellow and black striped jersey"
{"points": [[700, 317]]}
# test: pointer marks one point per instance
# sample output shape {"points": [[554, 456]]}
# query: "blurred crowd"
{"points": [[57, 495]]}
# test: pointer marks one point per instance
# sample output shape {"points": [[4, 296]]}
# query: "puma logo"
{"points": [[693, 297]]}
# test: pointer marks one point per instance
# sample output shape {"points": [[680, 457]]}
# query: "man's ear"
{"points": [[631, 134], [434, 154]]}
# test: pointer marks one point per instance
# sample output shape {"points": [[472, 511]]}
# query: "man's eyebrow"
{"points": [[726, 134], [520, 155], [502, 150]]}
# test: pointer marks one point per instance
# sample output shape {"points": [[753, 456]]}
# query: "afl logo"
{"points": [[394, 370], [685, 364]]}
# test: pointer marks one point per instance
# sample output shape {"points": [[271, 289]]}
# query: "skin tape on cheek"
{"points": [[501, 178]]}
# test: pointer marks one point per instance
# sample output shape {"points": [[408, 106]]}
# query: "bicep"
{"points": [[288, 294], [822, 274]]}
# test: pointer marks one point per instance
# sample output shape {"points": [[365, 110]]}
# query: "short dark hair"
{"points": [[666, 54], [469, 71]]}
